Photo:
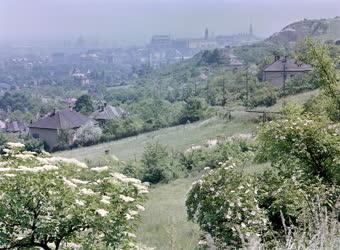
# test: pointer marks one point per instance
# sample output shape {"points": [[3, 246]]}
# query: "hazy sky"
{"points": [[135, 21]]}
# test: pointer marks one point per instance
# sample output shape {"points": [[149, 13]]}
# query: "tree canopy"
{"points": [[52, 203]]}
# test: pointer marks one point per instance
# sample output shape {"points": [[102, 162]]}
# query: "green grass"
{"points": [[299, 99], [164, 223], [179, 138]]}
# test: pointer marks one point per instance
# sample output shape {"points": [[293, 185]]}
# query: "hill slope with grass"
{"points": [[178, 137]]}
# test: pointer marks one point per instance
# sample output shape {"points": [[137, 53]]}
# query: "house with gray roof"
{"points": [[282, 69], [107, 113], [49, 128]]}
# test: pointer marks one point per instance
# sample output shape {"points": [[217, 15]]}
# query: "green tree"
{"points": [[193, 110], [155, 161], [55, 203], [84, 105], [317, 55]]}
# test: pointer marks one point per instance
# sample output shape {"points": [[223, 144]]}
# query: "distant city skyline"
{"points": [[135, 21]]}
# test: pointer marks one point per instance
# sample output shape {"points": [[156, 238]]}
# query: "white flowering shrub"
{"points": [[312, 142], [224, 204], [53, 203], [87, 134]]}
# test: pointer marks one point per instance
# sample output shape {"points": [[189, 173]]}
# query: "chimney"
{"points": [[284, 59], [277, 58]]}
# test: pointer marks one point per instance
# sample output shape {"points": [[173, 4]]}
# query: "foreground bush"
{"points": [[52, 203], [224, 203], [239, 210], [313, 142], [302, 182]]}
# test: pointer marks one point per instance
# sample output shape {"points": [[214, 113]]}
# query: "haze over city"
{"points": [[132, 22]]}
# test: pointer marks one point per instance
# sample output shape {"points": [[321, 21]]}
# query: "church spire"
{"points": [[206, 34]]}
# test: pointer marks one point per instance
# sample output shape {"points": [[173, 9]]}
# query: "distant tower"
{"points": [[206, 34], [251, 29]]}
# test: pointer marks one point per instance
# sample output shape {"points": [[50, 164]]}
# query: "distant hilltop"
{"points": [[324, 29]]}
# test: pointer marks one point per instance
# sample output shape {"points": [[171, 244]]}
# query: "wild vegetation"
{"points": [[57, 203], [266, 209]]}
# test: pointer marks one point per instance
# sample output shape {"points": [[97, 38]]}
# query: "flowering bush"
{"points": [[224, 203], [87, 134], [53, 203], [313, 142]]}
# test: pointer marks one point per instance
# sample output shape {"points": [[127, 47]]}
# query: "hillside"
{"points": [[325, 29], [178, 137]]}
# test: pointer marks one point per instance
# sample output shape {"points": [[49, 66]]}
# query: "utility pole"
{"points": [[284, 75], [195, 88], [223, 92], [247, 89]]}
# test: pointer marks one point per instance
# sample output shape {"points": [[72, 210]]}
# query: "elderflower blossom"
{"points": [[105, 199], [77, 181], [125, 179], [69, 183], [58, 159], [32, 170], [87, 191], [102, 212], [128, 217], [126, 198], [133, 212], [100, 169], [14, 145], [131, 235], [80, 203], [140, 207], [24, 156]]}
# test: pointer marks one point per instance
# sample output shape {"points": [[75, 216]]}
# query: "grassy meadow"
{"points": [[164, 222], [178, 137]]}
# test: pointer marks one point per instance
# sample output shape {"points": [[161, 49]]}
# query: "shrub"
{"points": [[311, 141], [34, 145], [87, 134], [156, 164], [291, 195], [224, 203], [261, 95], [52, 203], [3, 141], [300, 83], [193, 110]]}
